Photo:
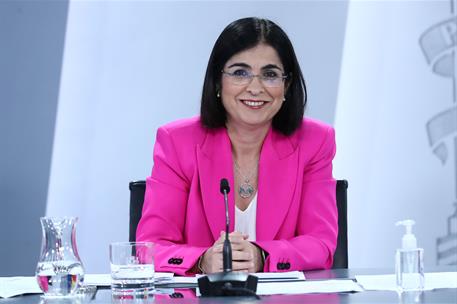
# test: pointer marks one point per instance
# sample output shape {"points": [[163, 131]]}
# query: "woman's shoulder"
{"points": [[182, 123], [314, 125], [185, 130], [313, 131]]}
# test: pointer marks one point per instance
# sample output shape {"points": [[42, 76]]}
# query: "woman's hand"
{"points": [[246, 257], [212, 259]]}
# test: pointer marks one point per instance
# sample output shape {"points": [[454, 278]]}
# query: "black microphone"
{"points": [[225, 188], [227, 283], [227, 249]]}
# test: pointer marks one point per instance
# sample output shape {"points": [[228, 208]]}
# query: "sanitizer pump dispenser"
{"points": [[409, 264]]}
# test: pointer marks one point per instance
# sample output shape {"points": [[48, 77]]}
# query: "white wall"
{"points": [[130, 67], [388, 92]]}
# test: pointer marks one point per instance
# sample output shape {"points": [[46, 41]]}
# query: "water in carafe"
{"points": [[59, 271]]}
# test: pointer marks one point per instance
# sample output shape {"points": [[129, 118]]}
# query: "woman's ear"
{"points": [[287, 83], [218, 91], [286, 87]]}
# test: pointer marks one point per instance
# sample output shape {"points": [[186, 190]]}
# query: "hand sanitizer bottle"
{"points": [[409, 265]]}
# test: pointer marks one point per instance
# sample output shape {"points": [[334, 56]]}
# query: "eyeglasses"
{"points": [[269, 78]]}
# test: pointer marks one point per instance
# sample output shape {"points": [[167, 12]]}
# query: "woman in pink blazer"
{"points": [[250, 131]]}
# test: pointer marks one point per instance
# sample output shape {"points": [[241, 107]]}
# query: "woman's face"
{"points": [[252, 102]]}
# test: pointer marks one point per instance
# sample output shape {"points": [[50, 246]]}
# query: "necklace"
{"points": [[245, 189]]}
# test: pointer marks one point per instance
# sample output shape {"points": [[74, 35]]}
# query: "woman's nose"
{"points": [[255, 87]]}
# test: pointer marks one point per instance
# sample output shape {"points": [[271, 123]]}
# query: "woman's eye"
{"points": [[270, 74], [241, 73]]}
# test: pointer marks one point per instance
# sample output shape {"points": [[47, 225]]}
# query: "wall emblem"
{"points": [[438, 44]]}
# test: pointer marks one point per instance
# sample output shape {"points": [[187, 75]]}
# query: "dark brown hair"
{"points": [[241, 35]]}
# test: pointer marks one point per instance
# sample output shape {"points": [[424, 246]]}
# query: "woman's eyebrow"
{"points": [[271, 66], [245, 65], [239, 64]]}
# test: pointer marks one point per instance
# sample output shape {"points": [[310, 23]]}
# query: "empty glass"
{"points": [[59, 271]]}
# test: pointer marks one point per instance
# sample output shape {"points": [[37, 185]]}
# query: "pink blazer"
{"points": [[184, 211]]}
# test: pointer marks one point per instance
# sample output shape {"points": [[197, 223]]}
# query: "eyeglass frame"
{"points": [[251, 77]]}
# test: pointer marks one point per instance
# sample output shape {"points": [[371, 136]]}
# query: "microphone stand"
{"points": [[227, 249], [227, 283]]}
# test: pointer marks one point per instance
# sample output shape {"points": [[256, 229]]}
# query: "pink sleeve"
{"points": [[164, 211], [317, 227]]}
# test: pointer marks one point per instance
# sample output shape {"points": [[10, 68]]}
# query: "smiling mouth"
{"points": [[253, 103]]}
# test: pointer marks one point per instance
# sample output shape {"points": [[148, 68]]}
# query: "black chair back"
{"points": [[137, 190], [340, 258]]}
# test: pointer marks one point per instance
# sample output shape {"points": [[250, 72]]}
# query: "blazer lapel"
{"points": [[214, 159], [278, 168]]}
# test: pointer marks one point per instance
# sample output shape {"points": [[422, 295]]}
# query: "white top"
{"points": [[245, 221]]}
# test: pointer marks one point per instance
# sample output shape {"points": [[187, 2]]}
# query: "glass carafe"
{"points": [[59, 271]]}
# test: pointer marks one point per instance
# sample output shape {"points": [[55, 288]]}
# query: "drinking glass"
{"points": [[132, 267]]}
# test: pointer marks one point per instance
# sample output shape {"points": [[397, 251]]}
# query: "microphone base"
{"points": [[228, 284]]}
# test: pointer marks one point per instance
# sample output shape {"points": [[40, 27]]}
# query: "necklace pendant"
{"points": [[246, 190]]}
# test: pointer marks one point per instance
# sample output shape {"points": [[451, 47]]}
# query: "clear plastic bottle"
{"points": [[409, 261]]}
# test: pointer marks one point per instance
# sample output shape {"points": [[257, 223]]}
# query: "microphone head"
{"points": [[225, 186]]}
